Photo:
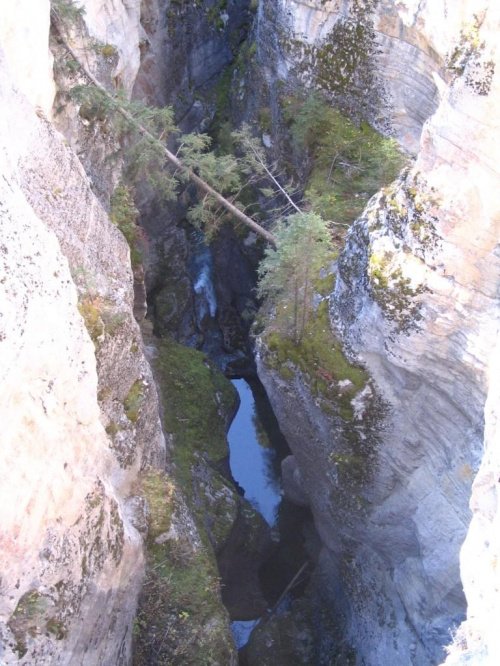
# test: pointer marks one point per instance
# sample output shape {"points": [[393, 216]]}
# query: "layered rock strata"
{"points": [[71, 557], [416, 302], [381, 61]]}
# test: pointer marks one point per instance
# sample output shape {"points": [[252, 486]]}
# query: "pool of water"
{"points": [[256, 448]]}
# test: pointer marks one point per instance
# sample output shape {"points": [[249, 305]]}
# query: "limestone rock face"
{"points": [[80, 408], [118, 24], [24, 38], [416, 300], [380, 60], [476, 640], [76, 431]]}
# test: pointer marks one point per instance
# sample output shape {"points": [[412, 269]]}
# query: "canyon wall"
{"points": [[381, 61], [78, 402], [476, 641], [83, 457], [388, 473]]}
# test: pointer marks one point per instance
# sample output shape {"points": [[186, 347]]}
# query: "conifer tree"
{"points": [[287, 272]]}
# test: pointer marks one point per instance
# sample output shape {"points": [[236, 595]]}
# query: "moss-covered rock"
{"points": [[287, 639], [331, 377], [181, 619], [198, 403]]}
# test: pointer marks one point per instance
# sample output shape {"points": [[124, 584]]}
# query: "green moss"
{"points": [[321, 359], [112, 319], [347, 163], [56, 628], [92, 319], [108, 50], [28, 619], [197, 400], [324, 286], [133, 402], [214, 15], [394, 292], [112, 429], [104, 394], [265, 120], [125, 216], [180, 611]]}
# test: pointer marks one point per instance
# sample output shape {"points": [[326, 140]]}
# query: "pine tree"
{"points": [[288, 270]]}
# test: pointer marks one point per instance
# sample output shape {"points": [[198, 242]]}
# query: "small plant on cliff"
{"points": [[125, 215], [133, 401], [66, 11]]}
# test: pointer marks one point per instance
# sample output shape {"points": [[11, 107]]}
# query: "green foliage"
{"points": [[180, 614], [125, 215], [265, 120], [320, 357], [66, 12], [467, 57], [133, 401], [214, 14], [105, 49], [394, 292], [180, 611], [196, 396], [469, 46], [32, 616], [146, 159], [92, 319], [288, 271], [221, 171], [346, 164], [342, 64], [222, 125]]}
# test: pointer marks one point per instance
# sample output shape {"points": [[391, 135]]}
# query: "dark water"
{"points": [[257, 448]]}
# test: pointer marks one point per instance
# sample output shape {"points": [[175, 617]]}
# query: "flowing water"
{"points": [[256, 447], [201, 273]]}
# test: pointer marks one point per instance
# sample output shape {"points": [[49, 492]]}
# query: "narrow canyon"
{"points": [[249, 332]]}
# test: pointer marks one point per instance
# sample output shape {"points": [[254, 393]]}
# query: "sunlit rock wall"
{"points": [[24, 39], [416, 300], [78, 402], [383, 61], [477, 641]]}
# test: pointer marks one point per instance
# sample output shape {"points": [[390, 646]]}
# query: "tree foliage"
{"points": [[66, 11], [343, 165], [125, 216], [288, 271]]}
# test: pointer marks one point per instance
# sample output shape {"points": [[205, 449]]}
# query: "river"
{"points": [[257, 448]]}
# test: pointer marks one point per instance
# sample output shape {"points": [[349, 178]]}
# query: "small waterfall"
{"points": [[201, 272]]}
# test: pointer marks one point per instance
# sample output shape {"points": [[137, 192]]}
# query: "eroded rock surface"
{"points": [[382, 61], [416, 300], [72, 560]]}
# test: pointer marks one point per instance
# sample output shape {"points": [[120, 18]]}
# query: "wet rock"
{"points": [[290, 479], [239, 560], [287, 639]]}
